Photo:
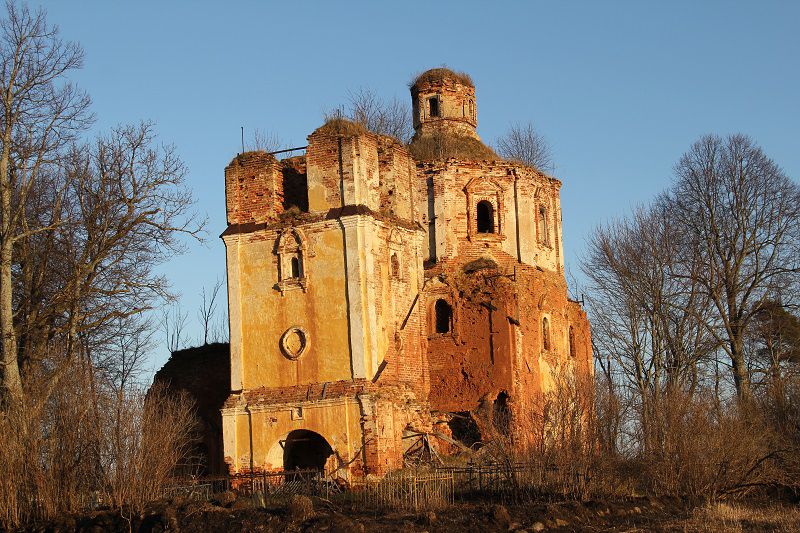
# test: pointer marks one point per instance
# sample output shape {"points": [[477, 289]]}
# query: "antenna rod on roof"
{"points": [[242, 139], [287, 150]]}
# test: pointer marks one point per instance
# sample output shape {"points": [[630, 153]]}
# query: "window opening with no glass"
{"points": [[444, 315], [485, 215]]}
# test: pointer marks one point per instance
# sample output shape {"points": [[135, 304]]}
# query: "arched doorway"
{"points": [[485, 216], [305, 450]]}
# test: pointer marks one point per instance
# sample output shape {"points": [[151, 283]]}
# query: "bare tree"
{"points": [[83, 228], [221, 331], [688, 280], [524, 144], [741, 214], [649, 322], [386, 117], [40, 114], [153, 439], [123, 211], [265, 141], [173, 324], [121, 448], [208, 309]]}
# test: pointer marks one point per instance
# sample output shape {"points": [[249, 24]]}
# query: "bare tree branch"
{"points": [[524, 144]]}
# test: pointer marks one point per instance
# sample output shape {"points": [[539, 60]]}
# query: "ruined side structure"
{"points": [[379, 292]]}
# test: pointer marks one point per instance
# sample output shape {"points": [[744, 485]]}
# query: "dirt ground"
{"points": [[316, 515]]}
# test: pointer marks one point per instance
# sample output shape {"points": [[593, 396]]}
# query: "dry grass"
{"points": [[438, 75], [441, 147], [86, 448], [253, 153], [741, 517], [342, 126]]}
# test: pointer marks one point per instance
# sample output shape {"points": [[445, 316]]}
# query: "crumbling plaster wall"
{"points": [[356, 300], [473, 359], [260, 313], [467, 370], [540, 371], [516, 193]]}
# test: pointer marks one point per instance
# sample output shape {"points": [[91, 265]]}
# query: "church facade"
{"points": [[382, 292]]}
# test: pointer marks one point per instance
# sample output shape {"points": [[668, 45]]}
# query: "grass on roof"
{"points": [[440, 147], [437, 75], [342, 126]]}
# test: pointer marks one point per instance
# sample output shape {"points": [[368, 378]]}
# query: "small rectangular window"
{"points": [[434, 106]]}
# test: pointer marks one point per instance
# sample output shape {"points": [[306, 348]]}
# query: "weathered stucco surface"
{"points": [[372, 296]]}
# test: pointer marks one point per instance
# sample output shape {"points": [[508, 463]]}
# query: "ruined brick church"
{"points": [[380, 293]]}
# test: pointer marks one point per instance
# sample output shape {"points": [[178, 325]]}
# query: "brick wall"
{"points": [[253, 188]]}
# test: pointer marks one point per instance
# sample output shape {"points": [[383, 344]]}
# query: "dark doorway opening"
{"points": [[485, 213], [444, 315], [464, 428], [501, 414], [305, 450]]}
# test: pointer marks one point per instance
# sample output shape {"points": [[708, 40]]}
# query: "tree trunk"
{"points": [[12, 381], [741, 378]]}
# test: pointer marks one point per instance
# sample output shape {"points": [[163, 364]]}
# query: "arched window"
{"points": [[291, 250], [395, 267], [444, 316], [485, 217], [296, 268], [543, 230], [571, 340], [545, 334]]}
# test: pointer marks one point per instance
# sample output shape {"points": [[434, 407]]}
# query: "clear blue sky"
{"points": [[619, 89]]}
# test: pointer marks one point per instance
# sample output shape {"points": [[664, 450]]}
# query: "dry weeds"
{"points": [[441, 147], [342, 126], [730, 517], [438, 75], [90, 448]]}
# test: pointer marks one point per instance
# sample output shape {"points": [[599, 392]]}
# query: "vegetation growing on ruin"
{"points": [[444, 146], [438, 75], [480, 282], [479, 264], [342, 126]]}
